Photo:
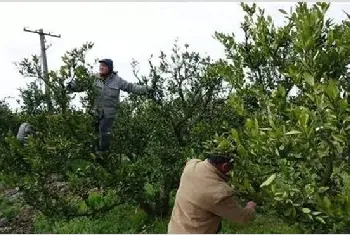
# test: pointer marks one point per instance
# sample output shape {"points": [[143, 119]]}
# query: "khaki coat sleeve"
{"points": [[228, 208]]}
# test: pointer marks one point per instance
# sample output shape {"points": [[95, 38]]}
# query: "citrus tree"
{"points": [[293, 148], [58, 172]]}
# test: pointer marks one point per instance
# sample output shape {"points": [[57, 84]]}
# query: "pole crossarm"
{"points": [[41, 32]]}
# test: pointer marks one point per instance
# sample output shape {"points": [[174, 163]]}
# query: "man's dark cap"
{"points": [[109, 64]]}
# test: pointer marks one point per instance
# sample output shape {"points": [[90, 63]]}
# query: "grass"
{"points": [[127, 219], [263, 224], [9, 209], [123, 219]]}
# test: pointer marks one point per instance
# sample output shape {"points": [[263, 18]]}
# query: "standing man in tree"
{"points": [[106, 101], [204, 198]]}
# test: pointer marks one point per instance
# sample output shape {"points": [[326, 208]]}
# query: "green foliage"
{"points": [[9, 209], [8, 120], [291, 150], [298, 147], [264, 224], [126, 219], [57, 170]]}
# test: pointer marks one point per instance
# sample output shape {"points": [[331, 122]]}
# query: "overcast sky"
{"points": [[120, 31]]}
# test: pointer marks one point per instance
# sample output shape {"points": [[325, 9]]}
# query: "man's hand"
{"points": [[152, 94], [251, 205]]}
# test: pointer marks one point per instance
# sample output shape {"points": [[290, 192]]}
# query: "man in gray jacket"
{"points": [[106, 102]]}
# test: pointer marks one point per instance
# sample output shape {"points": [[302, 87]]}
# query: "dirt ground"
{"points": [[22, 223]]}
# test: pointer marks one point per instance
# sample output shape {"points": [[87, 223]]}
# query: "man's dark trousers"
{"points": [[103, 128]]}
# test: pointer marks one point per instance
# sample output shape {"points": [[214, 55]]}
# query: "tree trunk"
{"points": [[327, 174]]}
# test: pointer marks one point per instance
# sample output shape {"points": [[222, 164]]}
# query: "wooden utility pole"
{"points": [[44, 60]]}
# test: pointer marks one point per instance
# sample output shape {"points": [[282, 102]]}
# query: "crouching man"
{"points": [[204, 198]]}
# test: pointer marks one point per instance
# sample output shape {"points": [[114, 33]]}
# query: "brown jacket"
{"points": [[203, 200]]}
